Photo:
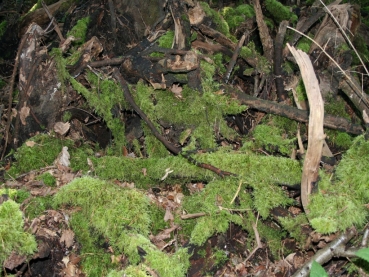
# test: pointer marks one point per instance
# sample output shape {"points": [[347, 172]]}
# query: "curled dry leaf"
{"points": [[61, 128], [177, 90]]}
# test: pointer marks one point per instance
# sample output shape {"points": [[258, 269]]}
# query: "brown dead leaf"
{"points": [[74, 259], [61, 128], [67, 237], [65, 260], [177, 90], [24, 113], [70, 270], [30, 143]]}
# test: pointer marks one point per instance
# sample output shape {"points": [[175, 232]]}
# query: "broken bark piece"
{"points": [[310, 172]]}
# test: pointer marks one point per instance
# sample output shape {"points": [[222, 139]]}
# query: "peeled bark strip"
{"points": [[310, 172]]}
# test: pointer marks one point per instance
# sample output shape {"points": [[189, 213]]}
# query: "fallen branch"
{"points": [[332, 122], [334, 249]]}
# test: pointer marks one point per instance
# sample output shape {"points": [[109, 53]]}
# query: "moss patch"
{"points": [[122, 217], [341, 203], [12, 236]]}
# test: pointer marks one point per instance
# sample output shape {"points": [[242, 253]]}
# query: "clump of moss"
{"points": [[336, 106], [341, 203], [79, 30], [340, 139], [272, 139], [3, 26], [221, 24], [104, 96], [202, 113], [42, 154], [280, 12], [166, 40], [48, 179], [235, 16], [17, 195], [12, 236], [37, 206], [122, 216], [304, 44]]}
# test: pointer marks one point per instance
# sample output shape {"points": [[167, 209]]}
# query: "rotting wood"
{"points": [[310, 171]]}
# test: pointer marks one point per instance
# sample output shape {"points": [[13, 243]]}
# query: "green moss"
{"points": [[304, 44], [293, 225], [67, 116], [42, 154], [280, 12], [166, 40], [121, 216], [12, 236], [235, 16], [336, 106], [219, 256], [48, 179], [103, 96], [340, 205], [3, 26], [17, 195], [79, 30], [202, 113], [340, 139], [96, 261], [221, 24], [273, 140], [37, 206]]}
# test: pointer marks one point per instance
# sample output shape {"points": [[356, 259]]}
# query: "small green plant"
{"points": [[317, 270]]}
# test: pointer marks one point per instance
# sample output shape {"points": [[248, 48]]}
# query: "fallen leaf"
{"points": [[61, 128], [177, 90], [24, 113], [67, 237], [30, 143]]}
